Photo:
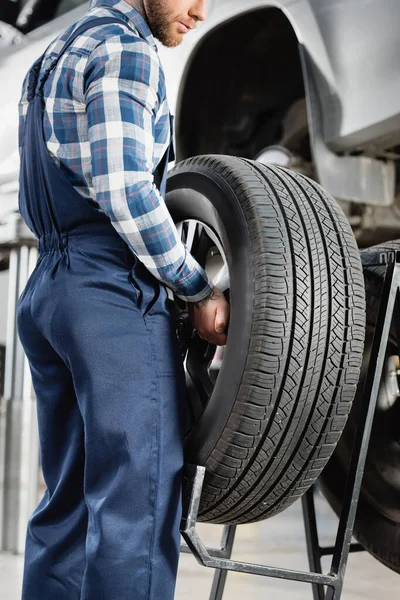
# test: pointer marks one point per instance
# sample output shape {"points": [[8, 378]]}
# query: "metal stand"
{"points": [[314, 551], [220, 559]]}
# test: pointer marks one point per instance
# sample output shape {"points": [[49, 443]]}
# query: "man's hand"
{"points": [[210, 317]]}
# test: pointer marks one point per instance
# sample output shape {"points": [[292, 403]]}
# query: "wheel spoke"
{"points": [[198, 360], [221, 280], [201, 366], [192, 230], [179, 228]]}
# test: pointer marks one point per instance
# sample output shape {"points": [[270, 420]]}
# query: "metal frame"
{"points": [[220, 559], [314, 551], [2, 367]]}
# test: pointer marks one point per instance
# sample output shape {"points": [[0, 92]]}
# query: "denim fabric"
{"points": [[100, 340]]}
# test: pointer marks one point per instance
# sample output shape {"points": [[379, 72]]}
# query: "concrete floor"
{"points": [[279, 542]]}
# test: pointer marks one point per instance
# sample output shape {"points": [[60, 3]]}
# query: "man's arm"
{"points": [[123, 90]]}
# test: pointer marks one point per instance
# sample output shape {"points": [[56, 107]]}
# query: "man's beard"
{"points": [[160, 22]]}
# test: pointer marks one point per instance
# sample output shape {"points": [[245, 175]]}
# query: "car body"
{"points": [[317, 80]]}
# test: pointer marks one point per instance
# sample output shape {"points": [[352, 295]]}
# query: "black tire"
{"points": [[295, 339], [377, 524]]}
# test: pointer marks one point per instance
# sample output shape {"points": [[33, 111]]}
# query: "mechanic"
{"points": [[94, 318]]}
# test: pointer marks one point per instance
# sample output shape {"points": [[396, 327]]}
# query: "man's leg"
{"points": [[55, 543], [129, 383]]}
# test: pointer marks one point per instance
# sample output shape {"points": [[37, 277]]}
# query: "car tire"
{"points": [[295, 342], [377, 525]]}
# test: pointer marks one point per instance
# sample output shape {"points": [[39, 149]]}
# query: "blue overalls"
{"points": [[97, 329]]}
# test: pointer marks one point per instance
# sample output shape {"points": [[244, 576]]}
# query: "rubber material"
{"points": [[377, 525], [295, 338]]}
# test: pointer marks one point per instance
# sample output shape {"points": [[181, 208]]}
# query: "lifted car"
{"points": [[312, 86]]}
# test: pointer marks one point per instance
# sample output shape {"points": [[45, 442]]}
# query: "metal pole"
{"points": [[220, 575], [19, 453], [313, 547]]}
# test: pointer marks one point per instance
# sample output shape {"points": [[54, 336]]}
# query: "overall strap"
{"points": [[35, 87]]}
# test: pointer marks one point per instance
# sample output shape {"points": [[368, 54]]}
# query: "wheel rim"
{"points": [[202, 360]]}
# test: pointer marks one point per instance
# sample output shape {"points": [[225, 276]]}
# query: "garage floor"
{"points": [[279, 541]]}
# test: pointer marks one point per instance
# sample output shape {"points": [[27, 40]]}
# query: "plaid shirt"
{"points": [[106, 124]]}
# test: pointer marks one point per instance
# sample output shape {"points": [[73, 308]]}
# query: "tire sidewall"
{"points": [[205, 196]]}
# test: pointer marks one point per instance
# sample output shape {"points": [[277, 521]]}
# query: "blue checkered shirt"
{"points": [[106, 124]]}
